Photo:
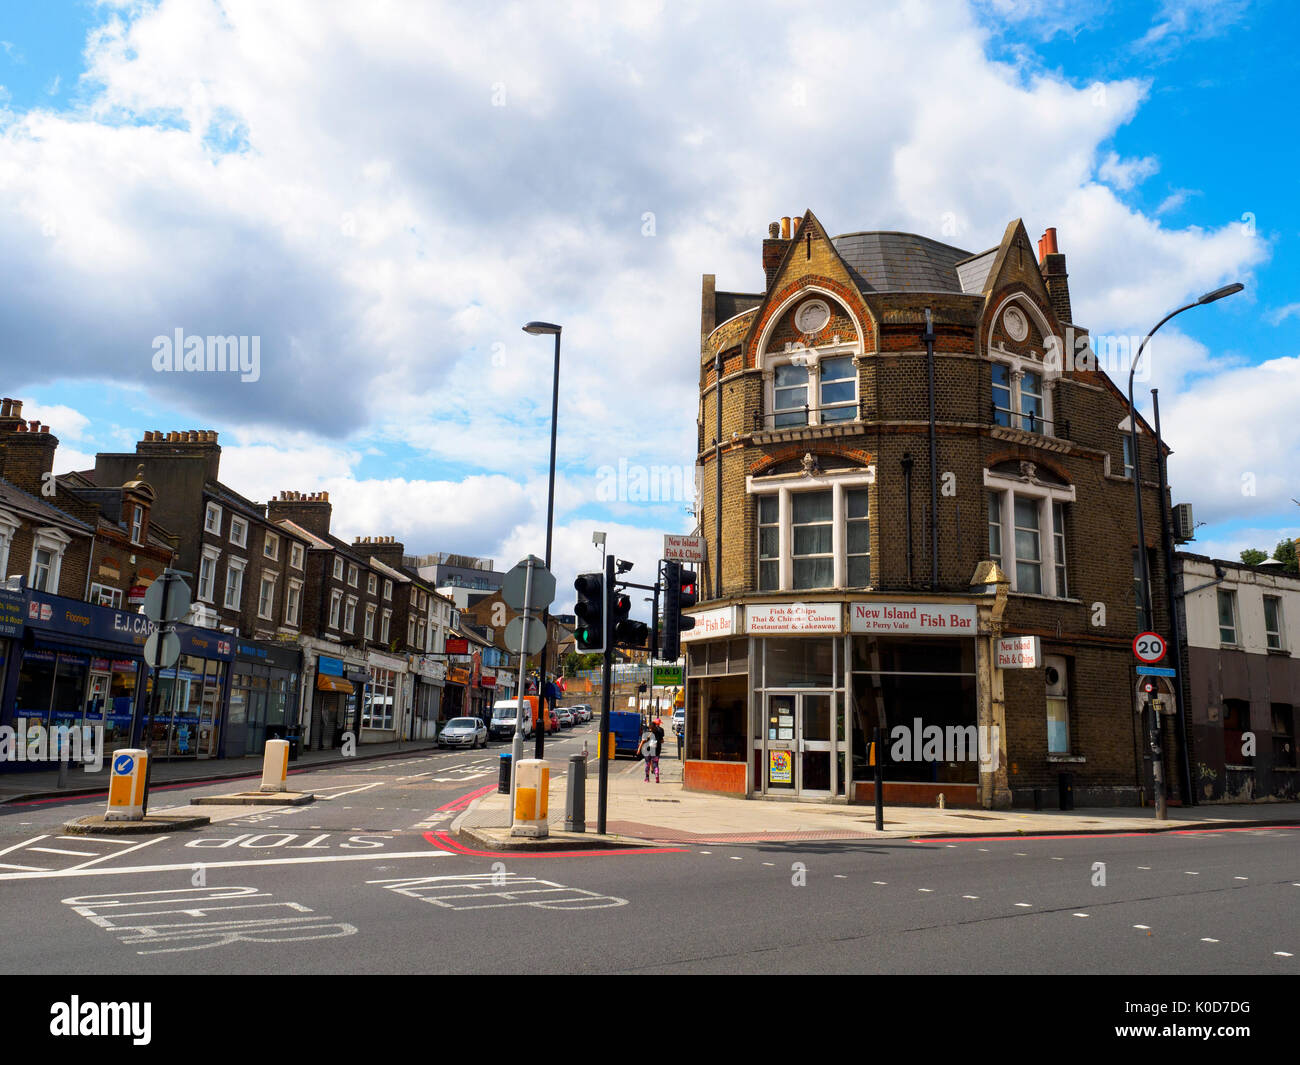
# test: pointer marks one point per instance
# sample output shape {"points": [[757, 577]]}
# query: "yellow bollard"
{"points": [[275, 766], [532, 785], [126, 786]]}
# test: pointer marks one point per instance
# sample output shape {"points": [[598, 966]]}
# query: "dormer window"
{"points": [[137, 523]]}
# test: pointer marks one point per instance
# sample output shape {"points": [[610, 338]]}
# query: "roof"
{"points": [[297, 530], [900, 262], [974, 272], [397, 575], [729, 304], [13, 496]]}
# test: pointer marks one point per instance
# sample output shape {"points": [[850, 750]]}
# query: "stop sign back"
{"points": [[1149, 647]]}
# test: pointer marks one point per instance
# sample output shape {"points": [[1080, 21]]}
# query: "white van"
{"points": [[505, 718]]}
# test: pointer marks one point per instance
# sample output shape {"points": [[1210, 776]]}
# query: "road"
{"points": [[361, 882]]}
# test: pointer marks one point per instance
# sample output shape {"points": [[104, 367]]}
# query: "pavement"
{"points": [[666, 813], [43, 784]]}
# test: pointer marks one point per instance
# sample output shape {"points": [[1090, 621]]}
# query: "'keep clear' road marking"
{"points": [[482, 891], [201, 918]]}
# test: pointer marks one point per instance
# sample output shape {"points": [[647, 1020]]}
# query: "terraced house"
{"points": [[918, 502]]}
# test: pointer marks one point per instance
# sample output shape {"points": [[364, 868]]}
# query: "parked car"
{"points": [[463, 732], [679, 721], [505, 718], [566, 717], [581, 713]]}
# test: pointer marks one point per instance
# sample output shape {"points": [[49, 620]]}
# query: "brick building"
{"points": [[853, 580]]}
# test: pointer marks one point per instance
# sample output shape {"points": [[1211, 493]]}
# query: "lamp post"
{"points": [[1144, 568], [541, 329]]}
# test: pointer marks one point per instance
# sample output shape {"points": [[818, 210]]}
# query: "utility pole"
{"points": [[606, 696]]}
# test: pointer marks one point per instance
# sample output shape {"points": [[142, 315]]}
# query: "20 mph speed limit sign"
{"points": [[1149, 647]]}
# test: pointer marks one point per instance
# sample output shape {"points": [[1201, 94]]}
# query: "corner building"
{"points": [[826, 610]]}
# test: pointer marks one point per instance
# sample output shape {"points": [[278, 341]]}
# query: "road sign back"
{"points": [[517, 593]]}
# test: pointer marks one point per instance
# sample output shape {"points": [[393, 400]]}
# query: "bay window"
{"points": [[1026, 523], [813, 531], [1019, 395]]}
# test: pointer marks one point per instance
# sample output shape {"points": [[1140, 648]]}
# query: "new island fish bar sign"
{"points": [[921, 619]]}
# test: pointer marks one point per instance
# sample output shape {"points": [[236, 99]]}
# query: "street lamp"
{"points": [[1148, 609], [542, 329]]}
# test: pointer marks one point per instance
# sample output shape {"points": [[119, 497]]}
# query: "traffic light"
{"points": [[590, 611], [627, 633], [679, 595]]}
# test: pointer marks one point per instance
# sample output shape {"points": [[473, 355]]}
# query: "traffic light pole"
{"points": [[606, 696]]}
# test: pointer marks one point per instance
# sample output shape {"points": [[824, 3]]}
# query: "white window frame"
{"points": [[211, 556], [1280, 631], [350, 615], [271, 547], [388, 590], [209, 524], [273, 579], [336, 606], [234, 567], [812, 358], [137, 523], [384, 625], [370, 622], [784, 485], [354, 575], [1047, 365], [1045, 495], [9, 525], [55, 542], [293, 602], [338, 568], [1017, 367], [296, 553], [240, 525], [1231, 593], [372, 584], [114, 595]]}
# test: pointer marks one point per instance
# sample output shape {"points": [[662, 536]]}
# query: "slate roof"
{"points": [[900, 262], [13, 496], [975, 271], [730, 304]]}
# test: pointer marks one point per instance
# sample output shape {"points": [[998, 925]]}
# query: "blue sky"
{"points": [[384, 200]]}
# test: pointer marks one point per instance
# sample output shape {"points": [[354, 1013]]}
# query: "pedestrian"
{"points": [[658, 730], [681, 739], [650, 748]]}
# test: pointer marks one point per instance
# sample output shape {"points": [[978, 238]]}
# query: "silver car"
{"points": [[463, 732]]}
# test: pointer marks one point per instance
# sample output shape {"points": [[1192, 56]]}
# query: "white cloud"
{"points": [[1278, 316], [1125, 173], [339, 181]]}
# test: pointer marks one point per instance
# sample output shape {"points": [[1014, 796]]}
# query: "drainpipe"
{"points": [[717, 459], [934, 461], [907, 510], [90, 567], [1175, 628]]}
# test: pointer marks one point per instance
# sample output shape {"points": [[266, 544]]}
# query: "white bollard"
{"points": [[532, 791], [126, 785], [275, 766]]}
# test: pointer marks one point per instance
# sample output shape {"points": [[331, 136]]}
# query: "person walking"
{"points": [[651, 751], [658, 729]]}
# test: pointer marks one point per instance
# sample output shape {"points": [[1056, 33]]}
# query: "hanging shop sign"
{"points": [[1019, 652]]}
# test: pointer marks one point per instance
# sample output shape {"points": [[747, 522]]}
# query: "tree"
{"points": [[1253, 556], [1286, 552]]}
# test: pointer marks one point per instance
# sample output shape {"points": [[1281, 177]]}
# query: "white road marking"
{"points": [[1021, 854], [29, 868], [1207, 939], [736, 858], [1080, 915], [485, 891], [1241, 878], [24, 843], [101, 839], [926, 890], [350, 790], [116, 854], [841, 876], [882, 883], [970, 896], [1188, 872], [1144, 927], [372, 856], [1027, 905], [769, 863], [1058, 859], [57, 850], [1147, 867], [1283, 954]]}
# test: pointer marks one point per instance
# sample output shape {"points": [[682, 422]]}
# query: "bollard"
{"points": [[575, 802], [503, 774], [532, 790], [126, 785], [275, 766]]}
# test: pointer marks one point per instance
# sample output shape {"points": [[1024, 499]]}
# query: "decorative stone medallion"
{"points": [[812, 317], [1015, 323]]}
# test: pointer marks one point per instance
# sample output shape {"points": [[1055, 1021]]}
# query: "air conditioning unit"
{"points": [[1184, 527]]}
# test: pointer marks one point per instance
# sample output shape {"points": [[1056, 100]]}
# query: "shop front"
{"points": [[191, 717], [336, 695], [782, 699], [386, 698], [430, 678], [263, 695]]}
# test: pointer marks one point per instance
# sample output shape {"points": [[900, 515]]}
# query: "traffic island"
{"points": [[500, 839], [256, 798], [100, 825]]}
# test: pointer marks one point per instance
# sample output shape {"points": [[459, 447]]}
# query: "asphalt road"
{"points": [[359, 882]]}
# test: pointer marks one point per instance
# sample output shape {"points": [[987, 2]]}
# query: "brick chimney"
{"points": [[774, 249], [26, 448], [311, 510], [1052, 266], [186, 443], [388, 550]]}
